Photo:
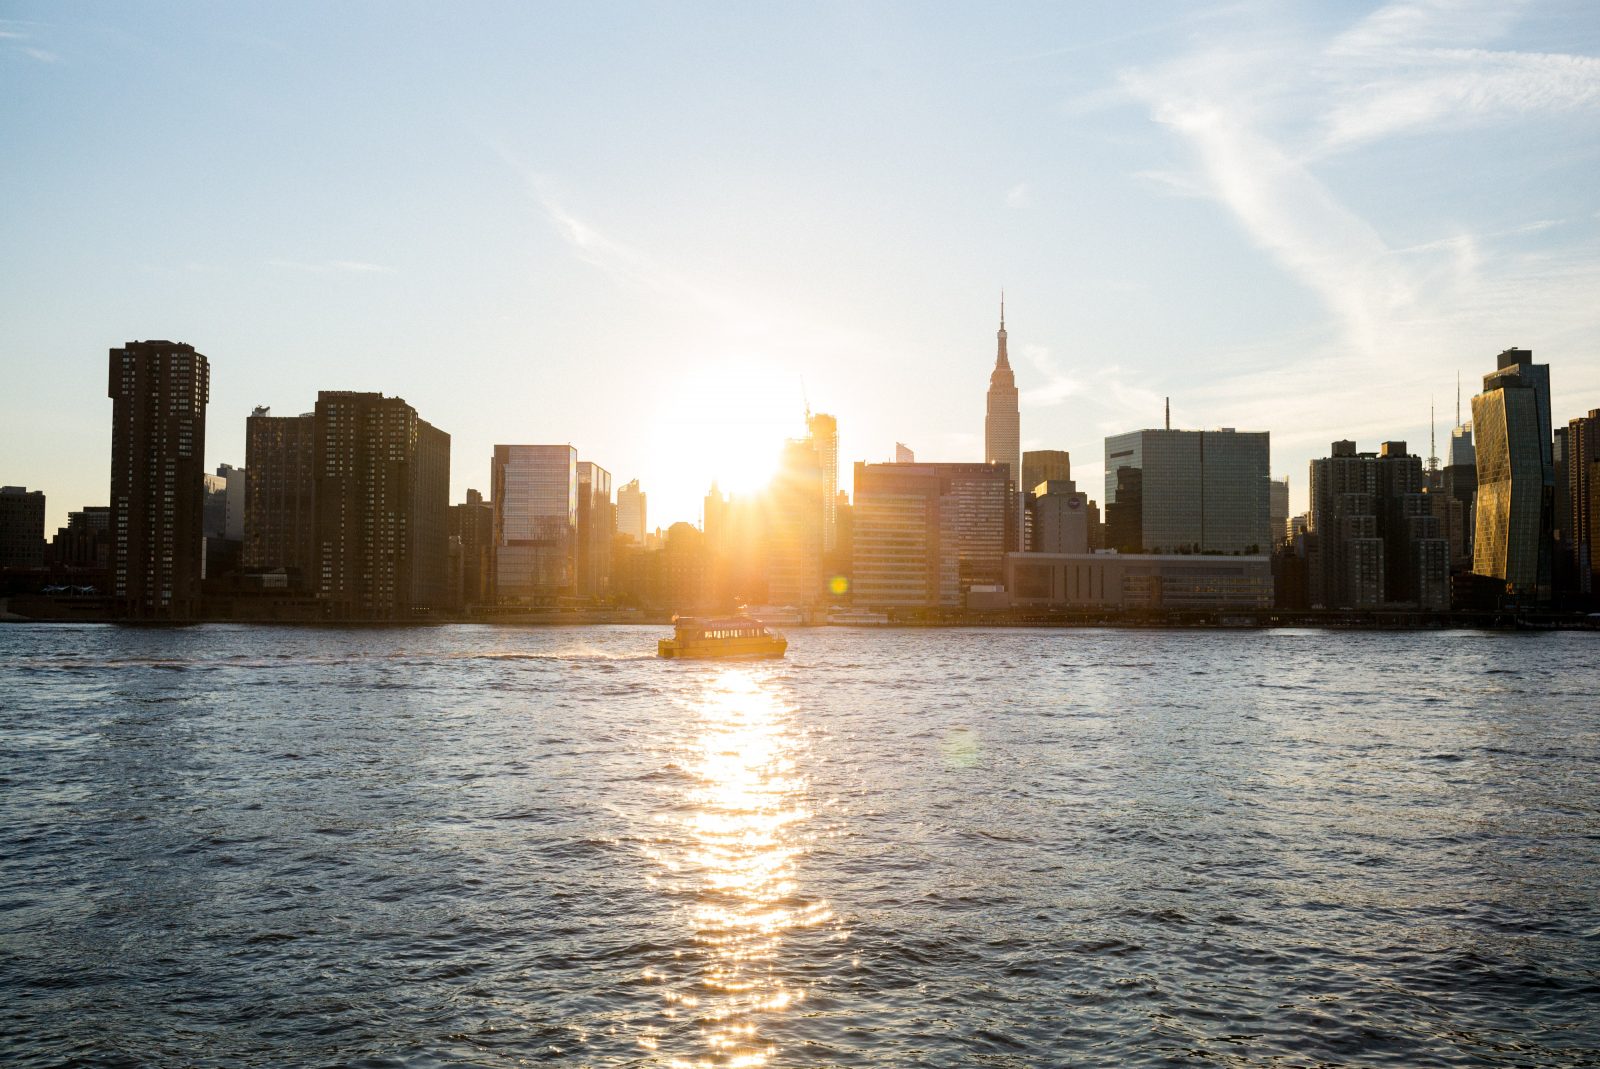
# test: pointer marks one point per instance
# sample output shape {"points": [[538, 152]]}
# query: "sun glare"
{"points": [[725, 422]]}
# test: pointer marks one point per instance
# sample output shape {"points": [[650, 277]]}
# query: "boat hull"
{"points": [[723, 650]]}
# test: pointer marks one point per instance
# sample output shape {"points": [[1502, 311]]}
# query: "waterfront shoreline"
{"points": [[1398, 620]]}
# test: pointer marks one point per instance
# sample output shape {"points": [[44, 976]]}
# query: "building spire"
{"points": [[1169, 413], [1001, 360]]}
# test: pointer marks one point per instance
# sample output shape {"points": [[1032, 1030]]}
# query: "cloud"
{"points": [[1258, 113], [1456, 87], [1019, 196], [1058, 384], [42, 55], [1239, 116], [357, 267]]}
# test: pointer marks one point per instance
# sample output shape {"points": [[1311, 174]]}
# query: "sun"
{"points": [[725, 422]]}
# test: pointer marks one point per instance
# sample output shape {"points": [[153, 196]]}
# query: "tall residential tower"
{"points": [[159, 391]]}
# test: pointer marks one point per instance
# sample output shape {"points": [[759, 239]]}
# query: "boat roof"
{"points": [[717, 622]]}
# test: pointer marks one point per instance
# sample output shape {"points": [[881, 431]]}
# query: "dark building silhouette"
{"points": [[472, 526], [84, 544], [280, 495], [382, 499], [159, 391], [1582, 523], [21, 527], [1459, 482], [1374, 539], [1125, 513]]}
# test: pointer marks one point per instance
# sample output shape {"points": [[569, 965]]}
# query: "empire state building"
{"points": [[1002, 425]]}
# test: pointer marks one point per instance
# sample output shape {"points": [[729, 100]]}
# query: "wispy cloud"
{"points": [[1261, 116], [1058, 384], [1408, 66], [323, 267], [1019, 195], [42, 55]]}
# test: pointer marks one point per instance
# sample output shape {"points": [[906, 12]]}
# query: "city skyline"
{"points": [[1278, 219]]}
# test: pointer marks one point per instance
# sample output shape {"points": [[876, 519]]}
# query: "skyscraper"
{"points": [[381, 507], [472, 527], [1002, 430], [534, 491], [1459, 482], [972, 513], [903, 454], [1278, 509], [280, 494], [824, 431], [905, 545], [1198, 491], [793, 517], [1582, 523], [1516, 476], [631, 511], [597, 522], [159, 391]]}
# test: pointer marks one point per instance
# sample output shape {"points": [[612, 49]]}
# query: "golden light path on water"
{"points": [[731, 850]]}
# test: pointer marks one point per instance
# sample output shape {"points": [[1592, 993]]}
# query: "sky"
{"points": [[659, 231]]}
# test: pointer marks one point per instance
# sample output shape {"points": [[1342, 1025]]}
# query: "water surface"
{"points": [[225, 846]]}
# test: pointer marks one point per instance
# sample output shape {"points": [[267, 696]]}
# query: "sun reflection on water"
{"points": [[731, 852]]}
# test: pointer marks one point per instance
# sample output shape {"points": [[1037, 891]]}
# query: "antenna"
{"points": [[1458, 397], [804, 396], [1169, 413]]}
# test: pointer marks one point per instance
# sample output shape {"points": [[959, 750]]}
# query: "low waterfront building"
{"points": [[1139, 581]]}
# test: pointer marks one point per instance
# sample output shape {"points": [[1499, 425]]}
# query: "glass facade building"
{"points": [[1512, 537], [534, 491], [597, 523], [1200, 491]]}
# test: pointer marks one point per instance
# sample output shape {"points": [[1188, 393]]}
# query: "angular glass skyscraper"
{"points": [[1516, 476]]}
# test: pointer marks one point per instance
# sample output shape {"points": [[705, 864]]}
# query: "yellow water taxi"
{"points": [[726, 636]]}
